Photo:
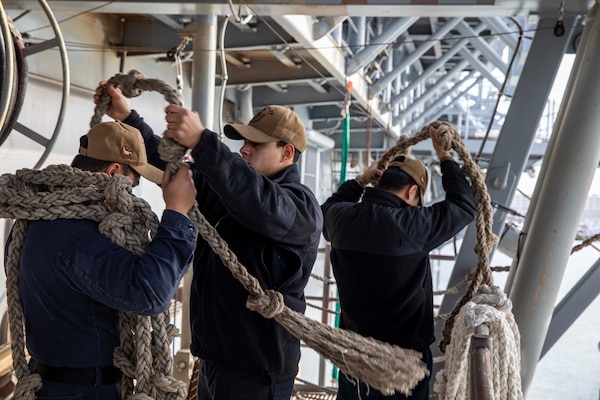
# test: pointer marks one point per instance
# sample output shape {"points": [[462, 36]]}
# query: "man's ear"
{"points": [[288, 151], [414, 192], [113, 169]]}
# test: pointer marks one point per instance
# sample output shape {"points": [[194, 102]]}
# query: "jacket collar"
{"points": [[383, 197], [288, 174]]}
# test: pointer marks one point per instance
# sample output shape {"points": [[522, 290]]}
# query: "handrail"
{"points": [[482, 384]]}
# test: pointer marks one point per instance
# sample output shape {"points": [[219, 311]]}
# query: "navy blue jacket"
{"points": [[74, 282], [380, 256], [273, 226]]}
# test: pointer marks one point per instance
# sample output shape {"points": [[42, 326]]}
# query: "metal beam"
{"points": [[506, 34], [414, 56], [438, 64], [483, 46], [581, 295], [476, 63], [437, 108], [393, 29], [432, 91]]}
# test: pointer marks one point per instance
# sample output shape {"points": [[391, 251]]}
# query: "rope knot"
{"points": [[268, 305], [129, 83], [493, 296], [27, 386]]}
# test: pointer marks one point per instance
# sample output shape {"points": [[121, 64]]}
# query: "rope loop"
{"points": [[131, 85], [492, 308], [168, 384], [122, 359], [268, 305], [27, 386]]}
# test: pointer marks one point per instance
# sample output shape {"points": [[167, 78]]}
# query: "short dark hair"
{"points": [[90, 164], [297, 152], [394, 179]]}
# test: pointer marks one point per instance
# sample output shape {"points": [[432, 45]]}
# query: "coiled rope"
{"points": [[490, 306], [482, 302], [385, 367], [60, 191]]}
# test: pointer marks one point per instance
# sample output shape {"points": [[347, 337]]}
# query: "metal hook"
{"points": [[559, 28]]}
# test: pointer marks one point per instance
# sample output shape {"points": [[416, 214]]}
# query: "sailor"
{"points": [[271, 222], [74, 282], [380, 255]]}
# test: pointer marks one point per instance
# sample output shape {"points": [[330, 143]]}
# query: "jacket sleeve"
{"points": [[448, 217], [124, 281], [282, 211], [150, 139], [349, 192]]}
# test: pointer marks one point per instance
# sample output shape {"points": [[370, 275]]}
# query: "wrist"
{"points": [[360, 181], [122, 116], [445, 155]]}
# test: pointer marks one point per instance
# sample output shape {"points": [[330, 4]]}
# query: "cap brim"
{"points": [[238, 132], [149, 172]]}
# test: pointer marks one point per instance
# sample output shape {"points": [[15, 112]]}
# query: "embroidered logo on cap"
{"points": [[126, 152], [261, 114]]}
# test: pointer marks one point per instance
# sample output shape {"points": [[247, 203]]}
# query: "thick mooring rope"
{"points": [[386, 367], [490, 306], [60, 191]]}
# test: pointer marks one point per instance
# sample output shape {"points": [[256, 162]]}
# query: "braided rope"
{"points": [[60, 191], [385, 367], [585, 243], [490, 306]]}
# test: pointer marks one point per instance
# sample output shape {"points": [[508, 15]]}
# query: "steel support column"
{"points": [[553, 227], [514, 142], [204, 32]]}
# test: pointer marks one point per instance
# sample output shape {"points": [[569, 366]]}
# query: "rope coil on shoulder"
{"points": [[60, 191]]}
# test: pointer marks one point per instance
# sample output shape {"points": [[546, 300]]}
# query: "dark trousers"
{"points": [[77, 383], [63, 391], [347, 390], [219, 383]]}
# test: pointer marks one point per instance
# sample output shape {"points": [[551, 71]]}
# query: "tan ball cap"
{"points": [[416, 170], [271, 124], [118, 142]]}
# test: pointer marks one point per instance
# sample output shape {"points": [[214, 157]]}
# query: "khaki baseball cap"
{"points": [[271, 124], [118, 142], [416, 170]]}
